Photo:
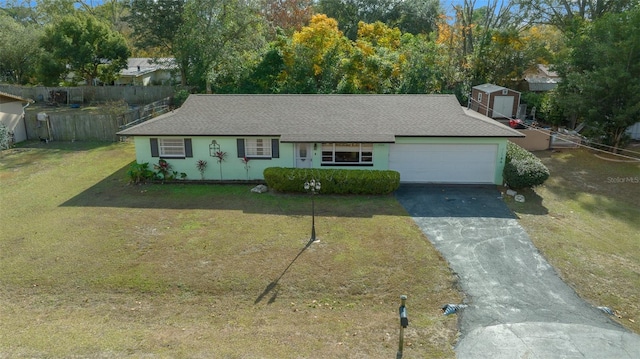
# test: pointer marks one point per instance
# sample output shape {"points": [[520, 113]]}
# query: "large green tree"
{"points": [[413, 16], [219, 41], [565, 13], [156, 26], [156, 23], [19, 52], [602, 76], [83, 46]]}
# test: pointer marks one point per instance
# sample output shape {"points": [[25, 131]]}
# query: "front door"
{"points": [[303, 155]]}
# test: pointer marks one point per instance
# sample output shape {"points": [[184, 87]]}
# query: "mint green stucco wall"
{"points": [[233, 168]]}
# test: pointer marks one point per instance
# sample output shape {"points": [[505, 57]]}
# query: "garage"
{"points": [[444, 163]]}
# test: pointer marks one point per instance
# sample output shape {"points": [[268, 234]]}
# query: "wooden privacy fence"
{"points": [[90, 94], [70, 126], [74, 127]]}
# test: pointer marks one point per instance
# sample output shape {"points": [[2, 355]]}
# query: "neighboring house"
{"points": [[495, 101], [12, 115], [541, 79], [143, 71], [427, 138]]}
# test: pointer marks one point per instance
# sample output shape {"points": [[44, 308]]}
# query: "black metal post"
{"points": [[313, 186], [313, 217], [404, 322]]}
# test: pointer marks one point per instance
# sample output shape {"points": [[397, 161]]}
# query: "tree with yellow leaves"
{"points": [[313, 57]]}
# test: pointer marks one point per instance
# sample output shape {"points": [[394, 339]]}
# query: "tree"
{"points": [[426, 67], [601, 76], [414, 16], [83, 46], [375, 62], [565, 13], [155, 28], [289, 15], [156, 23], [19, 52], [266, 76], [313, 57], [219, 41]]}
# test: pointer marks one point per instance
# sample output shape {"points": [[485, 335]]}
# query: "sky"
{"points": [[446, 4]]}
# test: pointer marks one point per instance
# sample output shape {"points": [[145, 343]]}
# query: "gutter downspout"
{"points": [[24, 119]]}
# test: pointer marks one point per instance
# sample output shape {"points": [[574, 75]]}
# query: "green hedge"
{"points": [[522, 168], [334, 181]]}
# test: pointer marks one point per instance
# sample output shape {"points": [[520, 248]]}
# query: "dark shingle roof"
{"points": [[322, 118]]}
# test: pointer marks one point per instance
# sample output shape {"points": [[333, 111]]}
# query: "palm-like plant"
{"points": [[220, 155]]}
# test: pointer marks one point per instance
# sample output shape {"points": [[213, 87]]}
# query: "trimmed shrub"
{"points": [[334, 181], [522, 168]]}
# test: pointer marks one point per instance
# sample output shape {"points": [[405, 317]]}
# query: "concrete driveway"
{"points": [[517, 305]]}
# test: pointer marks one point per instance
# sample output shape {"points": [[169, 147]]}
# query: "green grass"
{"points": [[586, 221], [93, 267]]}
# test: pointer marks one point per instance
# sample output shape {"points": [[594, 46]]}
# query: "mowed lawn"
{"points": [[93, 267], [586, 221]]}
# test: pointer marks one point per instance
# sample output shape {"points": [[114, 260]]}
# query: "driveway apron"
{"points": [[518, 307]]}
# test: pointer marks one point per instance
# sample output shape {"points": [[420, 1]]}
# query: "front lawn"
{"points": [[93, 267], [586, 221]]}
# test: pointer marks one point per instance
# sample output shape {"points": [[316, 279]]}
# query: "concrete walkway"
{"points": [[517, 305]]}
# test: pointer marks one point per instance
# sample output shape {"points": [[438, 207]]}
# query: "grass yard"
{"points": [[93, 267], [586, 221]]}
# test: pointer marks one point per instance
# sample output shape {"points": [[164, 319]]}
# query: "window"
{"points": [[171, 147], [479, 96], [257, 147], [347, 154]]}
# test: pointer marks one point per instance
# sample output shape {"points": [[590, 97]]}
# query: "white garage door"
{"points": [[440, 163]]}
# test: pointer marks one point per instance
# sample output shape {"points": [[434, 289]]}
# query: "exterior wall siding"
{"points": [[233, 168], [486, 106], [11, 116]]}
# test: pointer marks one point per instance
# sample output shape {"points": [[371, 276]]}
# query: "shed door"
{"points": [[503, 106], [444, 163]]}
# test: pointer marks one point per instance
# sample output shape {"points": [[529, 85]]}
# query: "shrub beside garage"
{"points": [[522, 168]]}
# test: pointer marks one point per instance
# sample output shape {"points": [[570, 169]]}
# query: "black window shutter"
{"points": [[240, 147], [275, 148], [188, 151], [154, 147]]}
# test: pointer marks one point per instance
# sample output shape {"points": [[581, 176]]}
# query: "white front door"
{"points": [[303, 155]]}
